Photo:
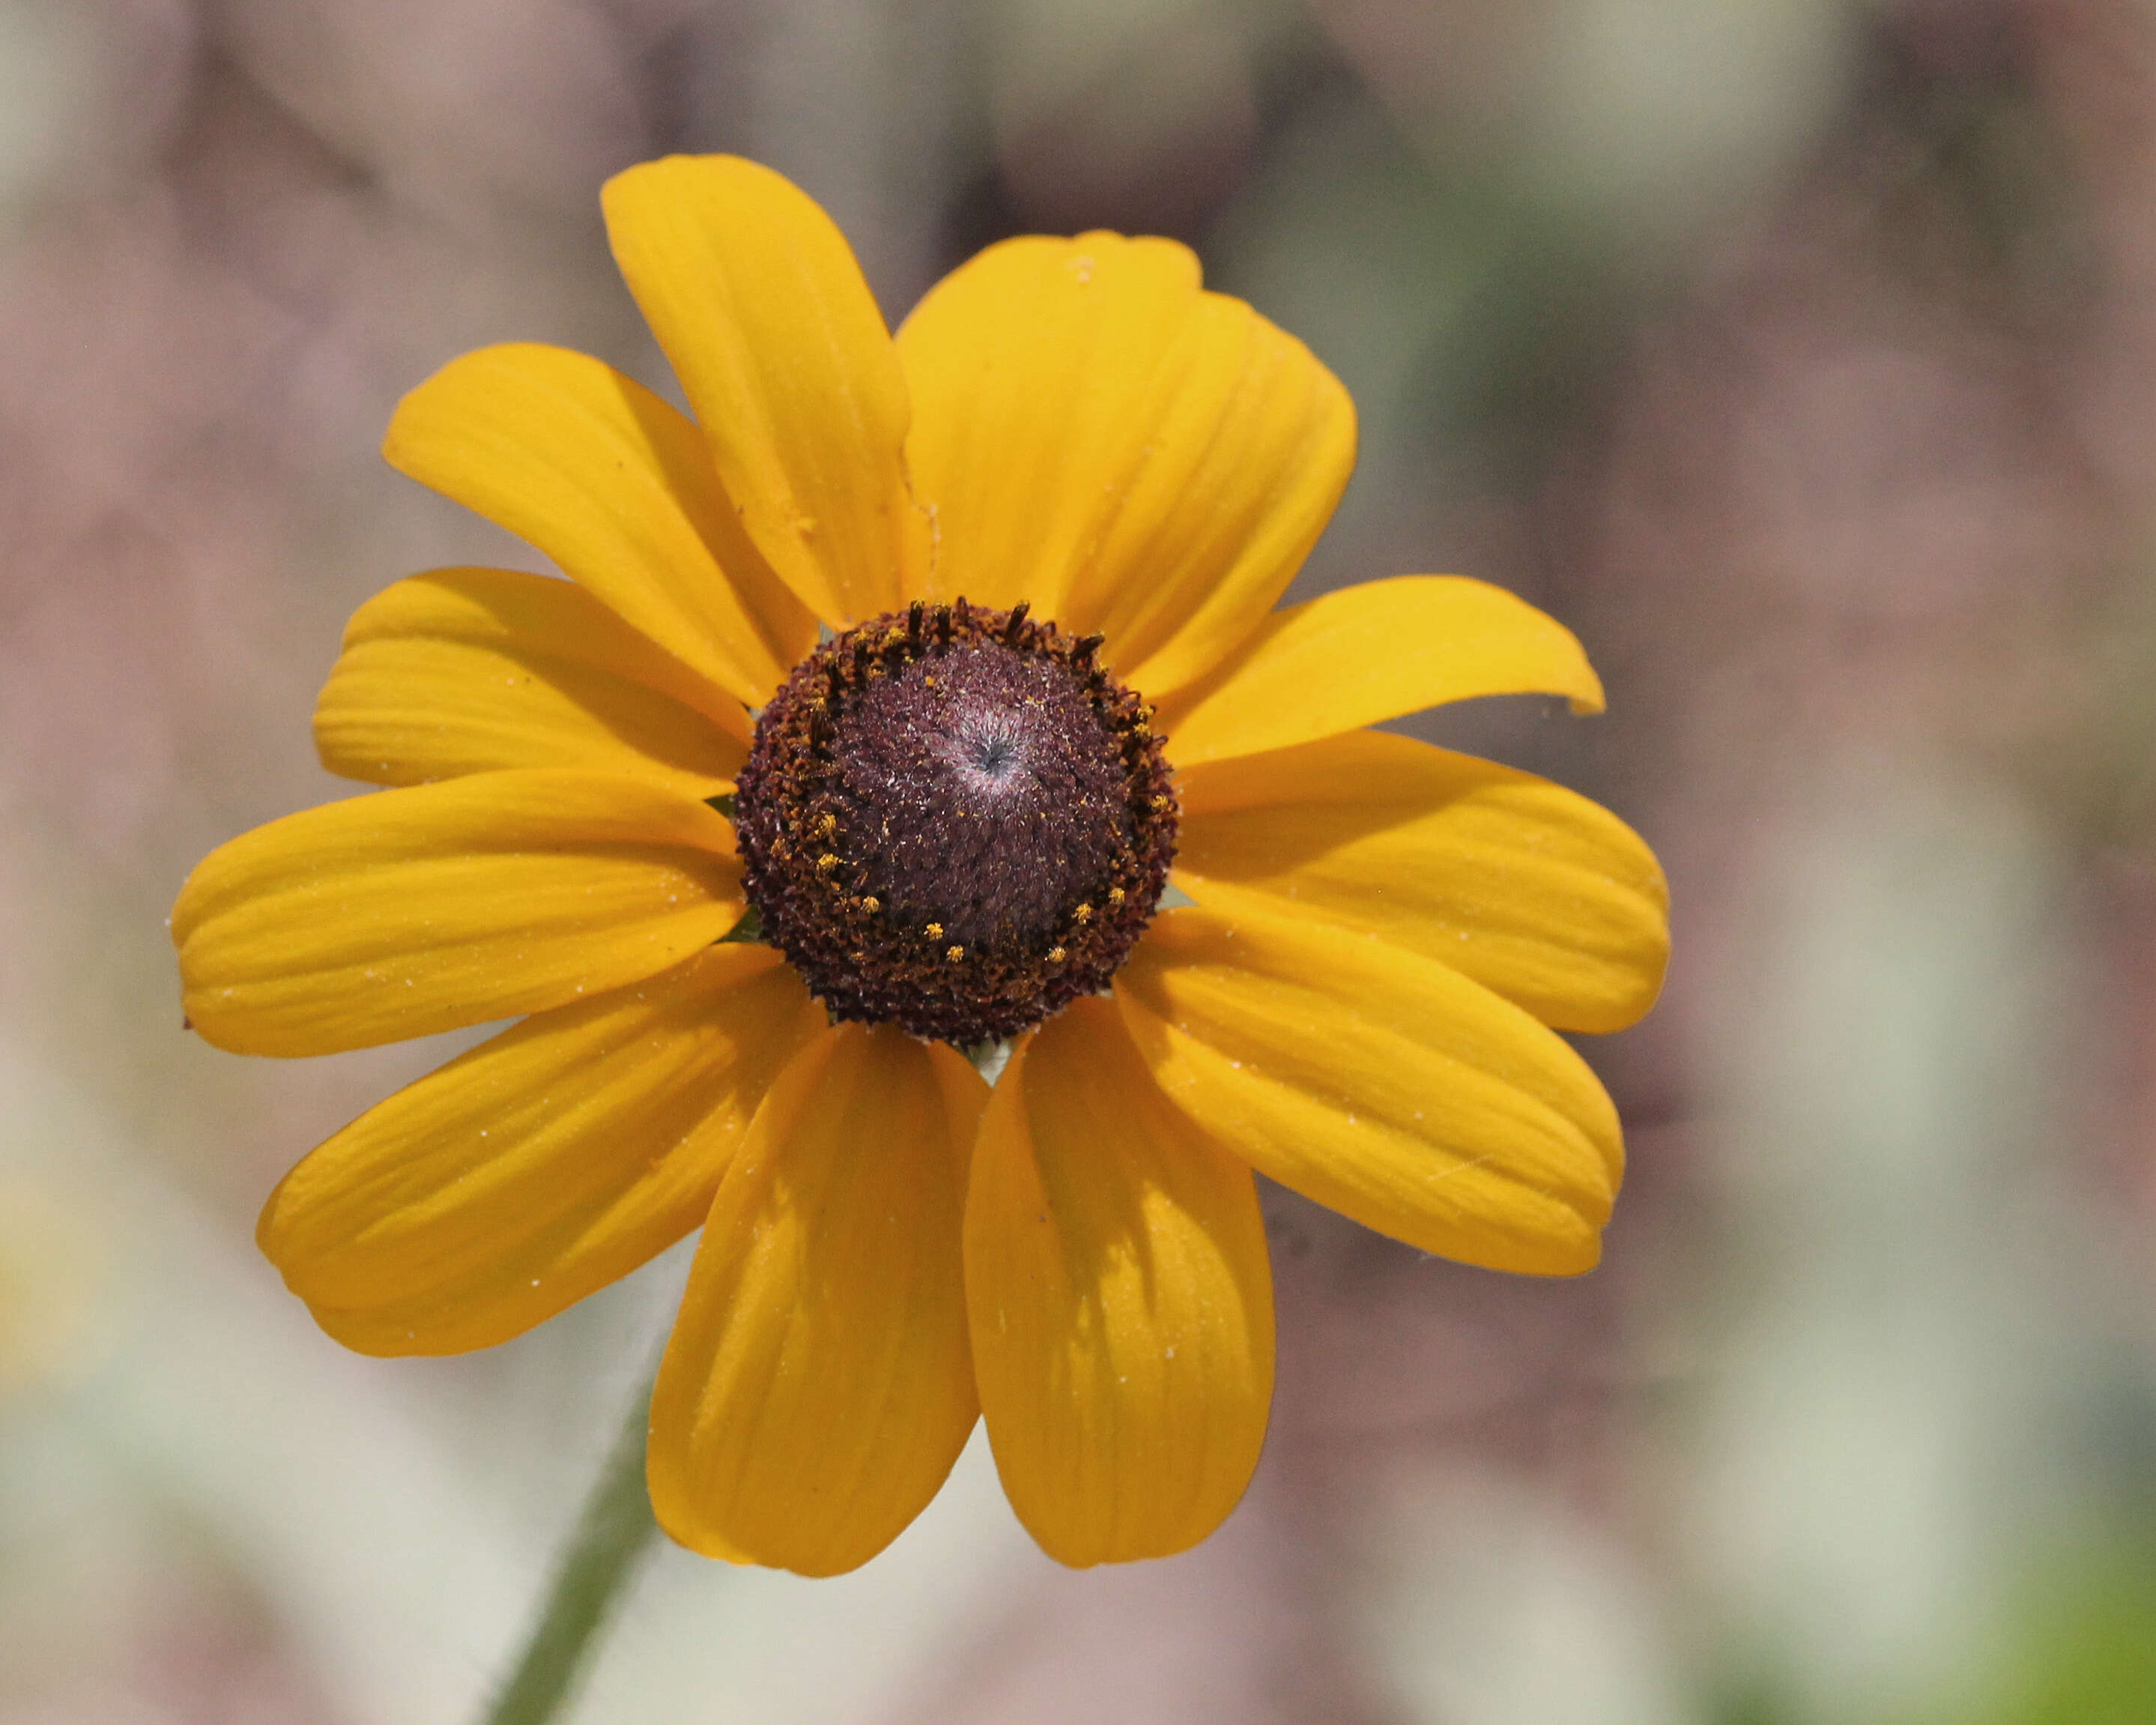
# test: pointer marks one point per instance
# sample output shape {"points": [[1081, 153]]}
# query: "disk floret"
{"points": [[954, 819]]}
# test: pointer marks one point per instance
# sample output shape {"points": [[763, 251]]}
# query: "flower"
{"points": [[1043, 530]]}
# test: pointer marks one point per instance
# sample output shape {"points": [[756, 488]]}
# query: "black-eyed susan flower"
{"points": [[751, 884]]}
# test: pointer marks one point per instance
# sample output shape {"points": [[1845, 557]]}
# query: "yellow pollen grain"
{"points": [[935, 931], [826, 825], [1056, 954], [1115, 898], [954, 953], [1082, 915], [827, 864], [871, 905]]}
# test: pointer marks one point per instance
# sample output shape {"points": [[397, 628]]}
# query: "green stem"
{"points": [[611, 1534]]}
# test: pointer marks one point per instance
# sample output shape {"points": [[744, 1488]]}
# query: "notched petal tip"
{"points": [[1103, 438]]}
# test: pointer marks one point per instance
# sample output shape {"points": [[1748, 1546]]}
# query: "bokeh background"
{"points": [[1801, 353]]}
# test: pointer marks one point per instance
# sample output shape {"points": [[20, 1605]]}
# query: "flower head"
{"points": [[936, 658]]}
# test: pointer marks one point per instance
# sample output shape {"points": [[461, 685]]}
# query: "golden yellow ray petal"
{"points": [[474, 670], [407, 911], [818, 1387], [1095, 435], [1034, 369], [616, 487], [1120, 1300], [1530, 889], [1381, 1083], [540, 1166], [756, 297], [1369, 653]]}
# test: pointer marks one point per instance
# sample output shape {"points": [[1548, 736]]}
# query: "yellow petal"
{"points": [[472, 670], [757, 299], [1368, 653], [1120, 1300], [1528, 888], [816, 1386], [1096, 436], [407, 911], [540, 1166], [1030, 368], [1380, 1084], [615, 486]]}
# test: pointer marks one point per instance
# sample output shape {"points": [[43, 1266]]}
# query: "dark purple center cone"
{"points": [[982, 793], [954, 821]]}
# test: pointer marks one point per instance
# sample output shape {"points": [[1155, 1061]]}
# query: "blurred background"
{"points": [[1801, 354]]}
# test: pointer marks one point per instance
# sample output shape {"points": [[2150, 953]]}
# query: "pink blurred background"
{"points": [[1801, 353]]}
